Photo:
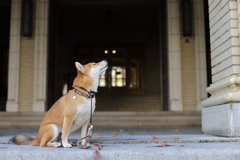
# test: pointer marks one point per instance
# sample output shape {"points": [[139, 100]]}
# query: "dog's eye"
{"points": [[94, 63]]}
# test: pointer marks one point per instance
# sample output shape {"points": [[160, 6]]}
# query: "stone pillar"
{"points": [[220, 115], [14, 52], [40, 61], [174, 53]]}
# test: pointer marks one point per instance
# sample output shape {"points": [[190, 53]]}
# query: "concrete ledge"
{"points": [[132, 144], [222, 120], [219, 151]]}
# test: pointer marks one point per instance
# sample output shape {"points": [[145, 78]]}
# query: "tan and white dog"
{"points": [[71, 111]]}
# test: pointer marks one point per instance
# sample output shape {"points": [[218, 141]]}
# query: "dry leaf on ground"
{"points": [[154, 137], [122, 130], [181, 146], [115, 134], [160, 142], [164, 145], [176, 138], [101, 137]]}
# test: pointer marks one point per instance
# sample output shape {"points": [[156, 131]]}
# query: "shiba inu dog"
{"points": [[71, 111]]}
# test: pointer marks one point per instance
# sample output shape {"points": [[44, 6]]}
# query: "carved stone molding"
{"points": [[225, 91]]}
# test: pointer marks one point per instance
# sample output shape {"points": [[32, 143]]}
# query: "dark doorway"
{"points": [[82, 31], [5, 9]]}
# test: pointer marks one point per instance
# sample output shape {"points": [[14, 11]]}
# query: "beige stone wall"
{"points": [[188, 69], [225, 60], [187, 61], [224, 39], [26, 74], [189, 95], [26, 71]]}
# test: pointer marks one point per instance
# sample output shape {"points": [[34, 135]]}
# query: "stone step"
{"points": [[128, 100], [111, 119], [128, 103]]}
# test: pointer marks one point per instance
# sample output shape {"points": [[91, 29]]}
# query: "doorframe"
{"points": [[163, 51]]}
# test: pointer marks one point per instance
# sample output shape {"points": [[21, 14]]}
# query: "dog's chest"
{"points": [[83, 112]]}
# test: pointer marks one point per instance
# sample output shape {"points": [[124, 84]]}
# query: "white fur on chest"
{"points": [[83, 113]]}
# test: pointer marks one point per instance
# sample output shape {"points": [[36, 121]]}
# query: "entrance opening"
{"points": [[129, 34], [4, 51], [125, 67]]}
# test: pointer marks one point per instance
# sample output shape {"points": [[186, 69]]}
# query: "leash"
{"points": [[88, 137]]}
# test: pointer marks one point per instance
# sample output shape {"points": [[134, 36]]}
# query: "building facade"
{"points": [[166, 54], [31, 64]]}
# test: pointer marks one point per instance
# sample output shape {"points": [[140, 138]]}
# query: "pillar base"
{"points": [[39, 106], [12, 106], [222, 120]]}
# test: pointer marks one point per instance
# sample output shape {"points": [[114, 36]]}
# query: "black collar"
{"points": [[89, 95], [87, 90]]}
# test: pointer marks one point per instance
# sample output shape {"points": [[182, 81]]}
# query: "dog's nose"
{"points": [[105, 60]]}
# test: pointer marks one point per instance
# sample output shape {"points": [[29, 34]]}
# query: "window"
{"points": [[118, 77]]}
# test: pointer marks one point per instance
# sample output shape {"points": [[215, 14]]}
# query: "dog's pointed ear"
{"points": [[79, 67]]}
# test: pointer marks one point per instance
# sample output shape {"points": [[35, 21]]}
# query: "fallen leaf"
{"points": [[176, 138], [106, 131], [176, 130], [122, 130], [100, 130], [181, 146], [160, 142], [101, 137], [115, 134], [146, 130], [3, 147], [96, 134], [154, 137], [164, 145]]}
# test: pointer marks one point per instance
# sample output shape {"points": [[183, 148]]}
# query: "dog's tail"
{"points": [[25, 140]]}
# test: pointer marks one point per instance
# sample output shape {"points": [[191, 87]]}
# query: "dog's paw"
{"points": [[57, 144], [66, 145]]}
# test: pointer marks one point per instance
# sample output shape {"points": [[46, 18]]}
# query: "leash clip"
{"points": [[90, 128]]}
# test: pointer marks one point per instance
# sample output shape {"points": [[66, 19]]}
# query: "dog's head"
{"points": [[88, 75]]}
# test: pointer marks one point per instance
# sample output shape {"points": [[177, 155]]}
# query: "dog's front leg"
{"points": [[84, 131], [67, 123]]}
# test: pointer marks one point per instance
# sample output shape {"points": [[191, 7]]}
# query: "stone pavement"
{"points": [[167, 143]]}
